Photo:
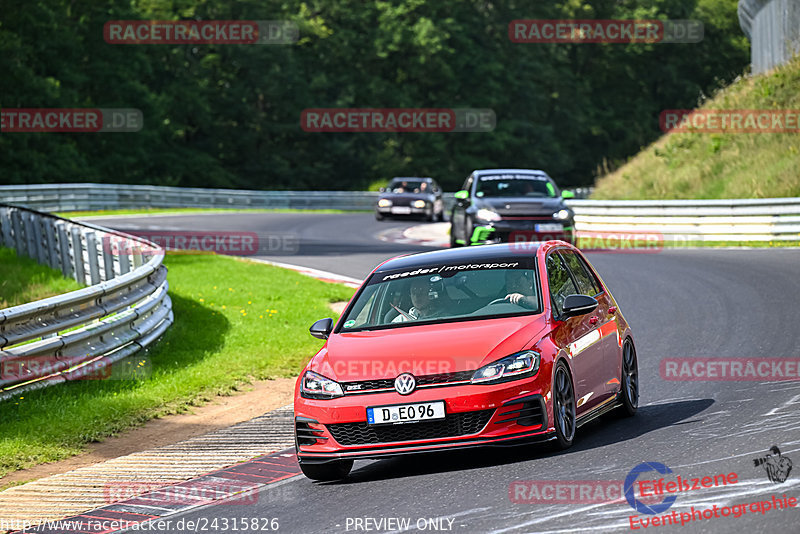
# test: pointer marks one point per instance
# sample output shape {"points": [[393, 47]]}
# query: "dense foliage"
{"points": [[228, 115]]}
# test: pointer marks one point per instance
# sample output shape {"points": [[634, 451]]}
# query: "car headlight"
{"points": [[562, 215], [487, 215], [519, 365], [384, 203], [316, 386], [418, 204]]}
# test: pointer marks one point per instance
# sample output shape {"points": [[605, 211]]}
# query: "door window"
{"points": [[587, 285], [560, 282]]}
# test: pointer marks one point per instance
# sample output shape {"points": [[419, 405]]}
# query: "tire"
{"points": [[327, 472], [564, 415], [378, 216], [431, 217], [629, 380], [453, 243]]}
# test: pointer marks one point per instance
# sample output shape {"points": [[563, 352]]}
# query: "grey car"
{"points": [[411, 197]]}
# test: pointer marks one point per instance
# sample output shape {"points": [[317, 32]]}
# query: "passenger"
{"points": [[519, 285]]}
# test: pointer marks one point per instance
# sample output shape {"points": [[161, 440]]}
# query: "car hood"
{"points": [[517, 205], [424, 349]]}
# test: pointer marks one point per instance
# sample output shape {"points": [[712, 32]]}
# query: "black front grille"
{"points": [[457, 424], [388, 383], [444, 378]]}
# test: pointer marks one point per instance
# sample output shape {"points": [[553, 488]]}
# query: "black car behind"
{"points": [[502, 205]]}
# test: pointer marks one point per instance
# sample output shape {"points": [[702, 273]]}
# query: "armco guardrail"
{"points": [[123, 310], [89, 197], [75, 197], [742, 220], [694, 220]]}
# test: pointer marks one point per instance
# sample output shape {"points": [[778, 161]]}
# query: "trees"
{"points": [[228, 115]]}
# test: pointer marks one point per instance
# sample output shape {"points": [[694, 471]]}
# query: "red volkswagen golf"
{"points": [[488, 345]]}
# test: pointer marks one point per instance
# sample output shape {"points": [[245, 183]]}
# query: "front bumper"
{"points": [[524, 230], [405, 211], [476, 415]]}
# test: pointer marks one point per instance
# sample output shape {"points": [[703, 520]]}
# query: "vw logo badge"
{"points": [[405, 383]]}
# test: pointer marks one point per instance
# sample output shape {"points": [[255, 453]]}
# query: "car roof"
{"points": [[510, 171], [412, 178], [483, 253]]}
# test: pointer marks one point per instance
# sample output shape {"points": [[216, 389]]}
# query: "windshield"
{"points": [[515, 185], [408, 186], [444, 293]]}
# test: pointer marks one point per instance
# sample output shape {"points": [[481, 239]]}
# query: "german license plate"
{"points": [[549, 227], [401, 210], [405, 413]]}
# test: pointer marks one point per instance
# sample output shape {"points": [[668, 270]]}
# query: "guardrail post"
{"points": [[94, 264], [50, 238], [63, 246], [137, 257], [124, 258], [5, 223], [36, 221], [16, 221], [77, 255], [30, 239], [108, 257]]}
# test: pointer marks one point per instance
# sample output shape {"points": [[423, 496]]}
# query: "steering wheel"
{"points": [[499, 301]]}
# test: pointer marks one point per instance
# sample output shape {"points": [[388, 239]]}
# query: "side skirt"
{"points": [[610, 405]]}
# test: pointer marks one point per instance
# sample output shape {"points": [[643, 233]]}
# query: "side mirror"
{"points": [[567, 194], [382, 190], [575, 305], [322, 328], [462, 197]]}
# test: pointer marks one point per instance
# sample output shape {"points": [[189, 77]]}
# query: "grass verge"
{"points": [[720, 165], [23, 280], [235, 322]]}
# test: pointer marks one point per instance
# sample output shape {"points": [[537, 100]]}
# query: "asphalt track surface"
{"points": [[680, 303]]}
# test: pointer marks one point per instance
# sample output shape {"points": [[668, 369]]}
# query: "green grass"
{"points": [[730, 165], [235, 322], [23, 280], [185, 211]]}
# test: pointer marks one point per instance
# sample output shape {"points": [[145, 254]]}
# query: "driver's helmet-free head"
{"points": [[435, 286]]}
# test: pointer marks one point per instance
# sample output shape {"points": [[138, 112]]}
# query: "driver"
{"points": [[519, 284], [427, 302]]}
